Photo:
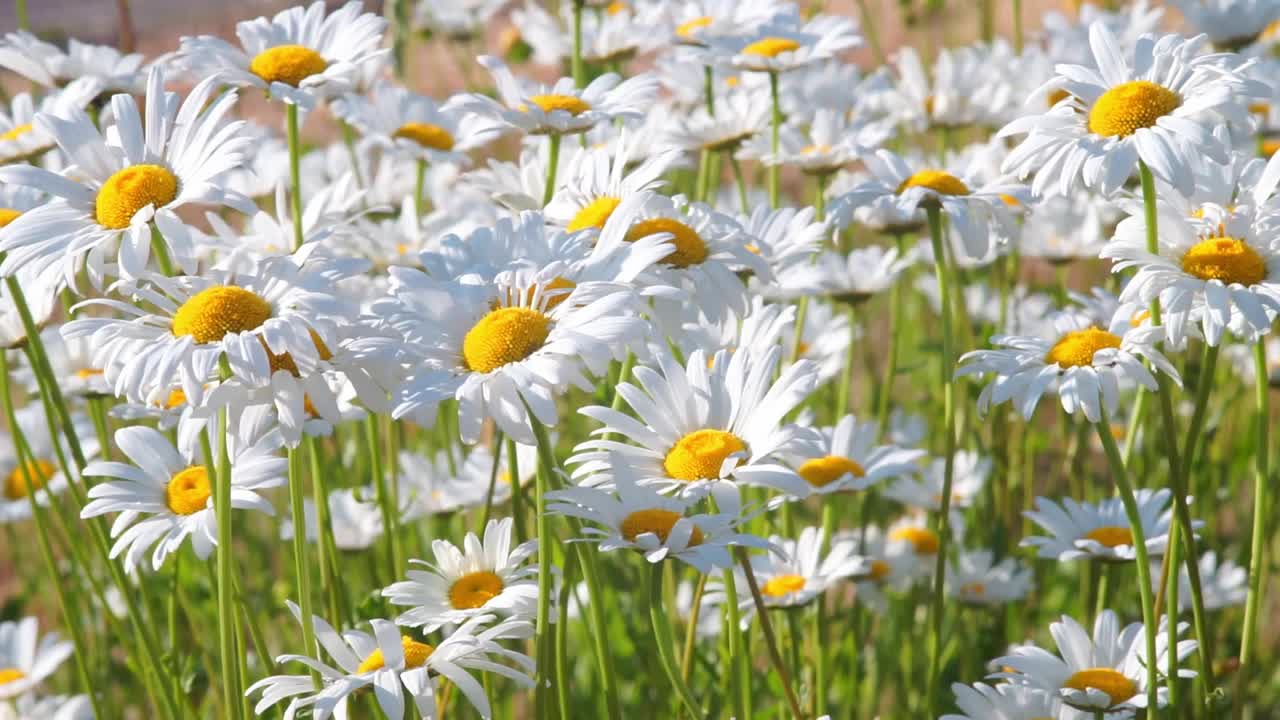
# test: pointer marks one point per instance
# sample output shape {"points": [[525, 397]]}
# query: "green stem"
{"points": [[161, 251], [517, 496], [846, 375], [546, 463], [219, 470], [891, 363], [775, 127], [820, 197], [487, 511], [1258, 539], [873, 35], [740, 181], [324, 532], [1017, 26], [389, 512], [575, 62], [588, 559], [662, 638], [24, 23], [301, 568], [553, 160], [738, 660], [691, 631], [295, 172], [419, 188], [770, 639]]}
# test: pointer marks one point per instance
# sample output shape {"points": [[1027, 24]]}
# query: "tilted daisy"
{"points": [[976, 578], [41, 467], [20, 138], [707, 426], [166, 495], [395, 665], [71, 360], [416, 126], [1159, 108], [911, 546], [1084, 364], [614, 36], [740, 116], [800, 574], [1105, 672], [102, 67], [1222, 268], [830, 141], [850, 459], [482, 578], [969, 476], [1099, 530], [786, 43], [299, 56], [786, 239], [134, 178], [27, 659], [824, 339], [853, 278], [596, 182], [560, 109], [1064, 228], [438, 484], [1004, 701], [1231, 25], [964, 87]]}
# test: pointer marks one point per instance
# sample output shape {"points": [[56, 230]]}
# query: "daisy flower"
{"points": [[1222, 268], [437, 484], [560, 109], [1064, 228], [1086, 363], [1105, 672], [966, 86], [1223, 583], [850, 459], [824, 339], [969, 476], [1099, 531], [831, 141], [799, 573], [20, 138], [912, 547], [853, 278], [786, 239], [416, 126], [103, 68], [786, 43], [1159, 108], [127, 182], [976, 578], [740, 116], [54, 707], [1004, 701], [41, 465], [1231, 25], [357, 524], [706, 426], [481, 578], [297, 57], [395, 664], [27, 659], [165, 495]]}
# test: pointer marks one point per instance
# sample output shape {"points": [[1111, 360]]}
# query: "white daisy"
{"points": [[595, 182], [41, 465], [1230, 24], [1223, 583], [853, 278], [830, 141], [786, 43], [850, 459], [1099, 530], [20, 138], [975, 578], [970, 472], [415, 125], [356, 523], [53, 707], [740, 116], [26, 659], [1005, 701], [102, 67], [965, 86], [797, 575]]}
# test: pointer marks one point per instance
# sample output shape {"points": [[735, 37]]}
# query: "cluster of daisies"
{"points": [[717, 295]]}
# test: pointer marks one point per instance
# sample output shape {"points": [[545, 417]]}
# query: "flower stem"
{"points": [[388, 510], [553, 160], [301, 568], [1258, 540], [846, 374], [740, 181], [588, 558], [219, 472], [775, 127], [419, 188], [324, 532], [542, 628], [766, 628], [295, 172], [738, 661], [891, 362], [662, 638], [575, 62], [691, 632]]}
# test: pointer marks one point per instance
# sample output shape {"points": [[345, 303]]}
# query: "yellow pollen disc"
{"points": [[415, 656], [475, 589], [923, 540], [1269, 147], [1057, 96], [504, 336], [1131, 106], [17, 132], [616, 7], [285, 361], [975, 589], [690, 249], [939, 181], [700, 454], [732, 81], [8, 215], [131, 189], [288, 64], [556, 291], [928, 105], [1010, 200], [15, 485], [188, 491], [1077, 347], [1227, 259], [879, 570], [815, 149], [688, 28], [783, 585], [549, 103], [426, 135], [595, 214], [86, 373], [1114, 536], [1118, 687], [656, 521], [820, 472], [8, 675], [1259, 108], [215, 311], [176, 398], [771, 47]]}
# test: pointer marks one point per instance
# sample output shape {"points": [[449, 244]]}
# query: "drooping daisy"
{"points": [[1159, 108], [707, 426], [1104, 672], [785, 238], [850, 460], [416, 126], [830, 141], [969, 476], [695, 22], [1004, 701], [800, 574], [103, 68], [72, 363], [1064, 228], [1222, 269], [740, 116], [964, 87], [1099, 530], [166, 494], [127, 182], [26, 661], [395, 664], [20, 138], [1086, 363], [481, 578], [976, 578], [41, 467], [298, 56], [853, 278], [786, 43]]}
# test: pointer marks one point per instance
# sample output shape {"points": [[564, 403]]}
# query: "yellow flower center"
{"points": [[131, 189], [771, 47], [1270, 146], [288, 64], [595, 214], [820, 472], [690, 249], [426, 135], [9, 675], [188, 492], [1227, 259], [17, 132], [973, 589], [616, 7], [1113, 536], [656, 521], [415, 656], [1118, 687], [285, 361], [15, 485], [1131, 106], [504, 336], [176, 398], [815, 149], [549, 103], [1057, 96], [879, 570], [1077, 347], [86, 373], [8, 215], [474, 589], [923, 540], [701, 454], [783, 585], [688, 28], [939, 181], [215, 311]]}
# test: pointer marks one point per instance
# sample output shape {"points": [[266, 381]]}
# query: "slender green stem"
{"points": [[295, 172], [873, 35], [553, 161], [704, 175], [1258, 539], [487, 511], [542, 628], [220, 478], [24, 23], [588, 558], [349, 140], [1017, 26], [324, 532], [390, 513], [738, 660], [820, 196], [938, 606], [301, 568], [691, 631], [846, 374], [575, 62], [562, 636], [161, 250], [895, 341], [662, 638], [770, 639], [517, 496], [419, 188], [740, 181], [775, 128]]}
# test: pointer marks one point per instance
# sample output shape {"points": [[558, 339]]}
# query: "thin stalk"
{"points": [[846, 374], [20, 13], [295, 172], [820, 196], [662, 638], [389, 512], [517, 497], [493, 482], [419, 188], [873, 35], [588, 558], [161, 251], [770, 639], [1258, 539], [324, 531], [220, 479], [891, 363], [575, 62], [553, 160], [691, 632], [542, 628], [738, 660], [740, 181], [1017, 26], [775, 127], [301, 568]]}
